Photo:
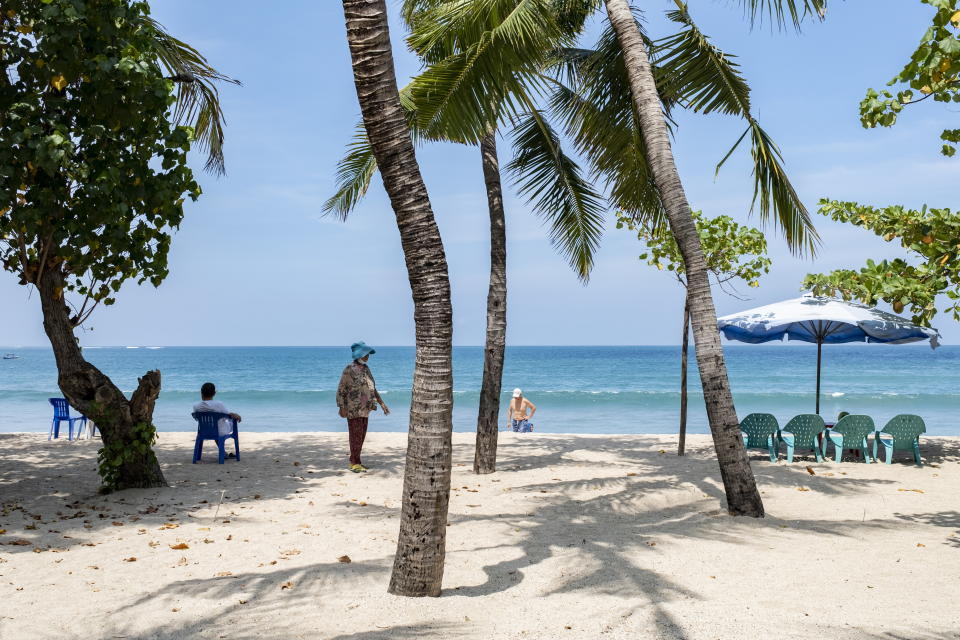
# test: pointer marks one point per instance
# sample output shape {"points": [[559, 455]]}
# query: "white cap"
{"points": [[517, 393]]}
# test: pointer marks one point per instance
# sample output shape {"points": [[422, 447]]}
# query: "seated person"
{"points": [[208, 404]]}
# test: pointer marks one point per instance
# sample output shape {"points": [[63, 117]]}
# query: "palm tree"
{"points": [[630, 148], [418, 564], [542, 170], [743, 498]]}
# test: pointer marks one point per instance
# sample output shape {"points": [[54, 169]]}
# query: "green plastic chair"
{"points": [[902, 433], [851, 432], [801, 433], [760, 432]]}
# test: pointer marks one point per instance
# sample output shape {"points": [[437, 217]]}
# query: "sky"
{"points": [[255, 261]]}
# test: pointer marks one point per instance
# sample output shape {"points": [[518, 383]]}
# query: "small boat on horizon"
{"points": [[11, 356]]}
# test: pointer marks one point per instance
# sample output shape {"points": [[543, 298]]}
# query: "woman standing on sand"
{"points": [[519, 420], [357, 396]]}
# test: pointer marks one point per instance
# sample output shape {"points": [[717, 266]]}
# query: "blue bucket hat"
{"points": [[360, 349]]}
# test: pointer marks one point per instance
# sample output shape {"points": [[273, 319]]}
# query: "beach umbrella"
{"points": [[823, 321]]}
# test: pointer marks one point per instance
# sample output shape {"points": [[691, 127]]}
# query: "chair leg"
{"points": [[52, 425], [888, 450], [236, 447], [222, 453], [197, 450], [789, 452], [916, 454], [816, 453]]}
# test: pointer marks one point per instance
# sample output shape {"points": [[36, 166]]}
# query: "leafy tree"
{"points": [[933, 72], [93, 176], [931, 237], [732, 252], [418, 563]]}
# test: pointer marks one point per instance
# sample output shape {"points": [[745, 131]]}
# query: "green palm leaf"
{"points": [[704, 79], [354, 173], [553, 184], [783, 12], [198, 99]]}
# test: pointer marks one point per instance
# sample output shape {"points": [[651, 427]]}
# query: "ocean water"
{"points": [[576, 389]]}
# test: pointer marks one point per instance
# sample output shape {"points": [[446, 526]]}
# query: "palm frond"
{"points": [[596, 108], [479, 51], [783, 12], [704, 79], [198, 99], [553, 183], [698, 75], [775, 194], [354, 173]]}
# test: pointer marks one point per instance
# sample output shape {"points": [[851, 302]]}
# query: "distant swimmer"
{"points": [[519, 418]]}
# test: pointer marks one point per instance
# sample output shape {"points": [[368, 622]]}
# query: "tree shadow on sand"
{"points": [[608, 531]]}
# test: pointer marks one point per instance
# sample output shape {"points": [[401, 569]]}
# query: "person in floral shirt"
{"points": [[357, 396]]}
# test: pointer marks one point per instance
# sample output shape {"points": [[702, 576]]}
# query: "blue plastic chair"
{"points": [[761, 430], [902, 433], [61, 412], [207, 430], [850, 432], [802, 433]]}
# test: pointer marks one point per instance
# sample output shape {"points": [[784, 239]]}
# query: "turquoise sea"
{"points": [[576, 389]]}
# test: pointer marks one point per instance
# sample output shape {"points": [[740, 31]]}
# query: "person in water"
{"points": [[519, 418], [357, 396]]}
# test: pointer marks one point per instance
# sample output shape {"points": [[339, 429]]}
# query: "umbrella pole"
{"points": [[819, 355]]}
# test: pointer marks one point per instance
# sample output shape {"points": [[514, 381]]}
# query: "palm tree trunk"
{"points": [[485, 457], [418, 564], [684, 349], [738, 481], [126, 426]]}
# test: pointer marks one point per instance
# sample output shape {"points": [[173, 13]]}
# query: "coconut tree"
{"points": [[418, 564], [541, 169], [743, 498], [629, 148]]}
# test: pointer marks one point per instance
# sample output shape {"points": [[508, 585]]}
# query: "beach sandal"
{"points": [[356, 468], [363, 468]]}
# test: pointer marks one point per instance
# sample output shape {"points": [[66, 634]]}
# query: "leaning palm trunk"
{"points": [[485, 457], [738, 481], [418, 564]]}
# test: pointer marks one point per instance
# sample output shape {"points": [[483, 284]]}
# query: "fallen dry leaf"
{"points": [[169, 525], [207, 541], [290, 552], [286, 585], [130, 559], [175, 609], [344, 559], [242, 601], [153, 543], [920, 544], [182, 561], [811, 471], [223, 574], [802, 489], [914, 490], [182, 545], [19, 543], [631, 474], [651, 544]]}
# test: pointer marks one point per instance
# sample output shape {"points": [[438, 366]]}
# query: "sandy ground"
{"points": [[574, 537]]}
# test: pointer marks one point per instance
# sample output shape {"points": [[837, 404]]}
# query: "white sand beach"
{"points": [[574, 537]]}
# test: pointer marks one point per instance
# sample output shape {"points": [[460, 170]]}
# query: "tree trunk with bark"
{"points": [[418, 564], [684, 349], [740, 486], [485, 456], [126, 426]]}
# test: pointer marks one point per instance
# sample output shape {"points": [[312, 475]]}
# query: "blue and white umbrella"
{"points": [[822, 320]]}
